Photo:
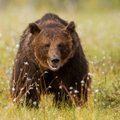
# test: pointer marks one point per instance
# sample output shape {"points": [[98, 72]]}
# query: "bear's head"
{"points": [[53, 44]]}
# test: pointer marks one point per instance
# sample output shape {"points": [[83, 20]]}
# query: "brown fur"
{"points": [[48, 37]]}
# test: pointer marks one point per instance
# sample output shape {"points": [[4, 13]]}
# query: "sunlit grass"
{"points": [[100, 37]]}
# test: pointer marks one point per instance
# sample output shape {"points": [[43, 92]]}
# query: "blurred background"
{"points": [[64, 5], [25, 11], [21, 12]]}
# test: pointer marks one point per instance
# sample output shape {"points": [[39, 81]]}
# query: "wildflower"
{"points": [[29, 79], [95, 100], [34, 103], [78, 108], [76, 91], [74, 95], [46, 72], [90, 74], [21, 69], [30, 88], [26, 74], [49, 86], [56, 77], [21, 100], [37, 89], [16, 60], [96, 91], [28, 92], [103, 64], [13, 89], [26, 63], [14, 100], [88, 89], [103, 72], [70, 87], [60, 87], [17, 46], [37, 85], [76, 83], [82, 83]]}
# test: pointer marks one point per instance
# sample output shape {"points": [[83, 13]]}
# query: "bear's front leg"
{"points": [[32, 97]]}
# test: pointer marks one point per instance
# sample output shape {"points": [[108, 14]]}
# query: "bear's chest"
{"points": [[54, 81]]}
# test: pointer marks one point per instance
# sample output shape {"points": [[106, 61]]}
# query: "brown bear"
{"points": [[50, 59]]}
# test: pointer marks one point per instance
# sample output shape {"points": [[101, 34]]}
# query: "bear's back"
{"points": [[50, 18]]}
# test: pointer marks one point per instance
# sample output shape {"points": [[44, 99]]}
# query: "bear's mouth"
{"points": [[53, 67]]}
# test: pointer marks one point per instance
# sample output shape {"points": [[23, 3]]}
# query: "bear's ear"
{"points": [[70, 27], [34, 29]]}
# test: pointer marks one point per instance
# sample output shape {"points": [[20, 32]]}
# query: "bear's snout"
{"points": [[55, 60], [54, 63]]}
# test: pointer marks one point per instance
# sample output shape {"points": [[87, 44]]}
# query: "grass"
{"points": [[100, 37]]}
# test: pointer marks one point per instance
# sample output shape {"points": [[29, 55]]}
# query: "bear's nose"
{"points": [[55, 61]]}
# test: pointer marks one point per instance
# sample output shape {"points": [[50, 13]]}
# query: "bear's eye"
{"points": [[61, 46], [46, 46]]}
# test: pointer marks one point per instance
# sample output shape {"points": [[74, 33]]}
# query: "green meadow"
{"points": [[100, 37]]}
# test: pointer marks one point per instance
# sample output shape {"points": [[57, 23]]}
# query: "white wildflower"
{"points": [[17, 45], [26, 63], [49, 86], [76, 91], [21, 69], [14, 100], [56, 77], [29, 79], [76, 83], [21, 100], [74, 95], [82, 81], [70, 87], [103, 72], [26, 74], [28, 92], [30, 88], [46, 72], [34, 103], [13, 89], [90, 74], [60, 87], [89, 89], [95, 100], [96, 91]]}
